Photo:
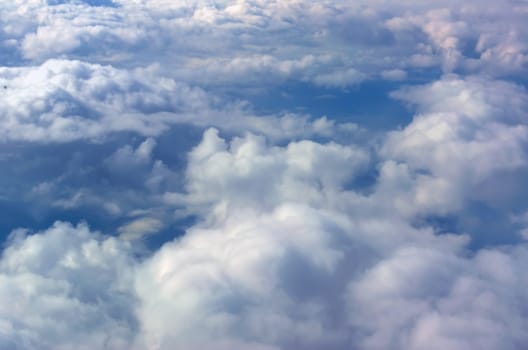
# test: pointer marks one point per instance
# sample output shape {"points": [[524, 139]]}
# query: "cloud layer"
{"points": [[170, 182]]}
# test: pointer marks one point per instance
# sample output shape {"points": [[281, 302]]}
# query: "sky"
{"points": [[263, 175]]}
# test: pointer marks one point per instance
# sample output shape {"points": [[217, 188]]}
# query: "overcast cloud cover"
{"points": [[263, 175]]}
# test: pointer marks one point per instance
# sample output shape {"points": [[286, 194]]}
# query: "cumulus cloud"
{"points": [[234, 198], [469, 134], [423, 299], [247, 168], [62, 101], [275, 270], [66, 287], [67, 100]]}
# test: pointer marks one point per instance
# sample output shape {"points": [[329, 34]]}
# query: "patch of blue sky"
{"points": [[103, 3], [367, 104]]}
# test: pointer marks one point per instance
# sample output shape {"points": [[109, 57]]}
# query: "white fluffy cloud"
{"points": [[66, 288], [247, 168], [467, 136], [427, 299], [273, 278], [67, 100], [63, 100]]}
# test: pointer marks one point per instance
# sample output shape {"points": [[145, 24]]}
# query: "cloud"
{"points": [[225, 285], [66, 287], [247, 168], [469, 133], [272, 269], [394, 74], [230, 206], [340, 78], [139, 228], [467, 301], [61, 101], [362, 38], [64, 101], [385, 282]]}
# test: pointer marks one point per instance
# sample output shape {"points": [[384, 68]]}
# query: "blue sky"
{"points": [[263, 175]]}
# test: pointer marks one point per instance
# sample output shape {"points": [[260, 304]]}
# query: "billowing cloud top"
{"points": [[263, 175]]}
